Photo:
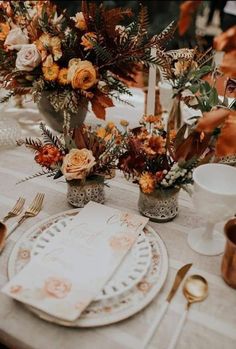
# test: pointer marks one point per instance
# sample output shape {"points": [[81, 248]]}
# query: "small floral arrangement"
{"points": [[151, 157], [88, 153], [86, 58]]}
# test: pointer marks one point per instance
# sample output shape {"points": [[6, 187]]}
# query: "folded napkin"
{"points": [[71, 271]]}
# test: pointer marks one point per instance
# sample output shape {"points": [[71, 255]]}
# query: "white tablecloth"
{"points": [[210, 325]]}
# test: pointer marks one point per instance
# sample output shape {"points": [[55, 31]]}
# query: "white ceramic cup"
{"points": [[214, 199]]}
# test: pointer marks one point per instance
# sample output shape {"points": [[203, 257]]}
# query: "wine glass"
{"points": [[214, 199]]}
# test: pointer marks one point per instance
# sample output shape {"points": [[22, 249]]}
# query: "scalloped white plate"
{"points": [[106, 311]]}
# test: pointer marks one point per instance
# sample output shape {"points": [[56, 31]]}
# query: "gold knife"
{"points": [[178, 279]]}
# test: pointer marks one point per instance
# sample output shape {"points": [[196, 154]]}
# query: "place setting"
{"points": [[126, 267]]}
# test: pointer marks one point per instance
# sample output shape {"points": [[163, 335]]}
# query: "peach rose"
{"points": [[81, 74], [57, 288], [77, 164], [15, 39]]}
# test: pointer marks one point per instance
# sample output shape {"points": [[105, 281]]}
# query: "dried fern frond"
{"points": [[7, 97], [143, 20], [166, 35], [34, 144], [183, 53], [49, 138], [43, 172]]}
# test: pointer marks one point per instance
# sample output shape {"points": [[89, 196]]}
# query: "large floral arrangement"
{"points": [[86, 58], [84, 153]]}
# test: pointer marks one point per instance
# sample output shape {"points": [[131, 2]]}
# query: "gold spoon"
{"points": [[195, 289], [3, 235]]}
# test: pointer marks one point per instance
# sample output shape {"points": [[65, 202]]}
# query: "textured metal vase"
{"points": [[79, 195], [55, 119], [160, 206]]}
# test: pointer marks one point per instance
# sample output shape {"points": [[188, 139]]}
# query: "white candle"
{"points": [[151, 95]]}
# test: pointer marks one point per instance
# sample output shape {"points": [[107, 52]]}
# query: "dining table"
{"points": [[210, 324]]}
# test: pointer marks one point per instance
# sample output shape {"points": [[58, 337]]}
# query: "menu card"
{"points": [[71, 271]]}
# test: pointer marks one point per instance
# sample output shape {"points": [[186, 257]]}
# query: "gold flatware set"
{"points": [[32, 211], [195, 289]]}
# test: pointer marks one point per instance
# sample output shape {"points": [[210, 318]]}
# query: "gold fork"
{"points": [[16, 210], [32, 211]]}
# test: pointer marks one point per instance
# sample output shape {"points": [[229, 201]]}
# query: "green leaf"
{"points": [[203, 71], [213, 97], [194, 88]]}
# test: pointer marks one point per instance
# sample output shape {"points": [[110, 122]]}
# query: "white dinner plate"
{"points": [[105, 311]]}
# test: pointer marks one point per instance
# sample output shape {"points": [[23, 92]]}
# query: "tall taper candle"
{"points": [[151, 95]]}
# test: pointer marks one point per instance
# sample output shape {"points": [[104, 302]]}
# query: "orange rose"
{"points": [[77, 164], [81, 74]]}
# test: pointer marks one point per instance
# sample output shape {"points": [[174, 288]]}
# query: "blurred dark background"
{"points": [[207, 21]]}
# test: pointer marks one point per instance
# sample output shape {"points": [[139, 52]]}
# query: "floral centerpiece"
{"points": [[85, 157], [67, 62], [161, 162]]}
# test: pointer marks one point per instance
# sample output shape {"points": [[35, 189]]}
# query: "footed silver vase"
{"points": [[55, 119]]}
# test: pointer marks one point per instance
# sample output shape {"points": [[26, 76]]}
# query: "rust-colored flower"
{"points": [[48, 156], [57, 287], [152, 118], [155, 145], [147, 182], [87, 40], [62, 76], [4, 30], [51, 73]]}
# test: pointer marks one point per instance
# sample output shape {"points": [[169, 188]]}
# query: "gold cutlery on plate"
{"points": [[32, 211], [178, 278], [195, 289], [16, 210]]}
